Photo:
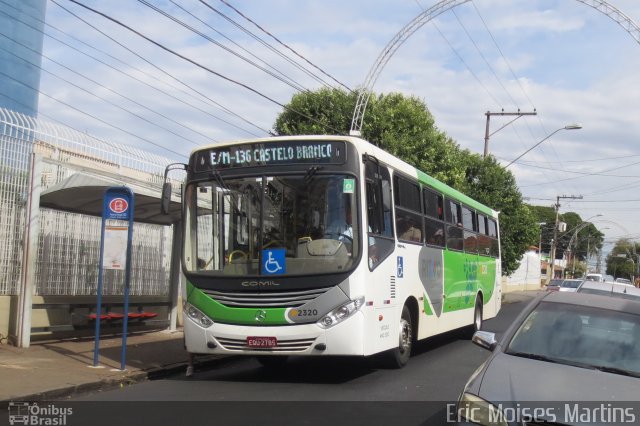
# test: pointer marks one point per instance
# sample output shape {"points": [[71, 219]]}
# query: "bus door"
{"points": [[383, 319]]}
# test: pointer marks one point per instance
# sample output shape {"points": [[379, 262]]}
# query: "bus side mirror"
{"points": [[165, 201]]}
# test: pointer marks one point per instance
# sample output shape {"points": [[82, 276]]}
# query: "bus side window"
{"points": [[454, 229], [380, 230]]}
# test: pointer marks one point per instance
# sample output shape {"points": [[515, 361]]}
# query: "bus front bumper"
{"points": [[345, 338]]}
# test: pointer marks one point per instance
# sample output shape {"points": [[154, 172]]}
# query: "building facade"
{"points": [[22, 26]]}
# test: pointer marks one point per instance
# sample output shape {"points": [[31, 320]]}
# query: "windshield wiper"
{"points": [[616, 370], [533, 356], [311, 172]]}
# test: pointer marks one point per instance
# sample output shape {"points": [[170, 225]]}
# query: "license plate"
{"points": [[261, 342]]}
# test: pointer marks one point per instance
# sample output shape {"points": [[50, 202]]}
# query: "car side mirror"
{"points": [[485, 339], [165, 201]]}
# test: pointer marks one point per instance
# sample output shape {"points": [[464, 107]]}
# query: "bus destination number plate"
{"points": [[261, 342]]}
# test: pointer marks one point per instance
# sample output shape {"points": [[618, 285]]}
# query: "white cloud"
{"points": [[570, 61]]}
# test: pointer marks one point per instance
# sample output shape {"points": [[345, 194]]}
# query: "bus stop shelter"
{"points": [[83, 194]]}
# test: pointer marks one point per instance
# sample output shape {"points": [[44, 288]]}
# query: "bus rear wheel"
{"points": [[477, 319], [398, 357]]}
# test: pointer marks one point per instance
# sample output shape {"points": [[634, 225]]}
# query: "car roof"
{"points": [[611, 286], [593, 300]]}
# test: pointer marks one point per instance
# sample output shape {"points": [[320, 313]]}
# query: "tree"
{"points": [[493, 185], [404, 127], [587, 242], [401, 125], [621, 261]]}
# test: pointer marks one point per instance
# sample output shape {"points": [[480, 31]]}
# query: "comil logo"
{"points": [[118, 205], [32, 414]]}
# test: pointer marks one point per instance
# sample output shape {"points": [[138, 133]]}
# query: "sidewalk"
{"points": [[520, 296], [56, 369], [60, 368]]}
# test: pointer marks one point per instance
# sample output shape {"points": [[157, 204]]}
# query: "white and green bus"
{"points": [[328, 245]]}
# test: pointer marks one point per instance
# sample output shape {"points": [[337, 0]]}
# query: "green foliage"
{"points": [[586, 236], [493, 185], [404, 127], [623, 258]]}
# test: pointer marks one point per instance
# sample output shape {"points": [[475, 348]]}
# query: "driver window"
{"points": [[379, 220]]}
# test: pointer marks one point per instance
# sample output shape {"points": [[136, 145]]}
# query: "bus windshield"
{"points": [[272, 225]]}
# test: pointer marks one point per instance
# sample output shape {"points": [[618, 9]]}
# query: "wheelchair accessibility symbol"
{"points": [[273, 262]]}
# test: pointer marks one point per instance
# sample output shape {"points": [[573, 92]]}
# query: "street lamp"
{"points": [[554, 242], [574, 251], [540, 224], [574, 126]]}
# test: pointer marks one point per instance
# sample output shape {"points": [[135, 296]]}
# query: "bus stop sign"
{"points": [[116, 204]]}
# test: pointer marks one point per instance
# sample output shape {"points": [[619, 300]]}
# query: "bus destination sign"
{"points": [[269, 153]]}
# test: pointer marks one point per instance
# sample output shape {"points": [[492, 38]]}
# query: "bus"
{"points": [[328, 245]]}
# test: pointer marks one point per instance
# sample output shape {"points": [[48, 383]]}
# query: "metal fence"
{"points": [[69, 243]]}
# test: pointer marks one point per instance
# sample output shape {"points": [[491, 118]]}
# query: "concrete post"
{"points": [[175, 274], [29, 253]]}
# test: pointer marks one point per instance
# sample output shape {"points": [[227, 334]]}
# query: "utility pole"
{"points": [[486, 131], [554, 242]]}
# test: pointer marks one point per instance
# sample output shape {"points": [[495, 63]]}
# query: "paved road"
{"points": [[434, 377]]}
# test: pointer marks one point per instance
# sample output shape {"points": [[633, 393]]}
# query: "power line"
{"points": [[199, 65], [484, 58], [283, 44], [584, 173], [92, 116], [288, 81], [100, 97], [519, 84], [228, 39], [502, 54], [267, 45], [41, 114], [222, 107], [597, 173]]}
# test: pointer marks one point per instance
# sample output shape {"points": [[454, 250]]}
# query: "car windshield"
{"points": [[582, 336], [272, 225], [571, 283], [555, 283]]}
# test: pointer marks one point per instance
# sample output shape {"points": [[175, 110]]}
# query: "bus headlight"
{"points": [[197, 316], [341, 313]]}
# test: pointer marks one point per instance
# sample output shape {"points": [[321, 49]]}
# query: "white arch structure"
{"points": [[427, 15]]}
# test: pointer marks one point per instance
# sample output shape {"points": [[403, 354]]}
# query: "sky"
{"points": [[220, 79]]}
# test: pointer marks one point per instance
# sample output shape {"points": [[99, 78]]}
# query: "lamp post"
{"points": [[587, 254], [574, 126], [575, 234], [540, 224], [554, 241], [635, 259], [589, 246]]}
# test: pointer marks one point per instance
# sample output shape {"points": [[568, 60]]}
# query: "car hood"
{"points": [[511, 378]]}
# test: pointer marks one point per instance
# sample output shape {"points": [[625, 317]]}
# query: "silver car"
{"points": [[570, 285], [563, 347], [614, 289]]}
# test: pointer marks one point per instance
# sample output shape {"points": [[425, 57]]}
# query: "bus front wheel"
{"points": [[399, 356]]}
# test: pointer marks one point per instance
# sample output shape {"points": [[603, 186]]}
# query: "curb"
{"points": [[111, 383], [521, 296]]}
